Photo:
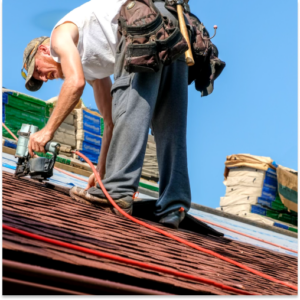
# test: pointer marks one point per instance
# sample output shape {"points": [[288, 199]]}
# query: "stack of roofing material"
{"points": [[251, 191], [288, 187], [82, 129], [150, 166], [89, 140], [89, 131], [18, 108], [10, 143]]}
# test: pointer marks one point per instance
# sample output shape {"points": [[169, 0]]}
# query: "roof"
{"points": [[32, 207]]}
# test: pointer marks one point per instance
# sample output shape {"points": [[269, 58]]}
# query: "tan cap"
{"points": [[31, 83]]}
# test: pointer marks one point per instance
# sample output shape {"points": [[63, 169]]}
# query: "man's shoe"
{"points": [[82, 196], [173, 219]]}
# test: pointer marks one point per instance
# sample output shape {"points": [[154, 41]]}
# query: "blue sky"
{"points": [[254, 106]]}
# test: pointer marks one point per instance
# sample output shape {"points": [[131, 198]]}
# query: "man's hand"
{"points": [[38, 141], [92, 182]]}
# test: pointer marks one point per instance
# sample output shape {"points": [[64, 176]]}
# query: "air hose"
{"points": [[128, 261], [214, 224], [187, 243]]}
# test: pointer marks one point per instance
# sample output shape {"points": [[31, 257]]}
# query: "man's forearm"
{"points": [[104, 149], [103, 101], [67, 100]]}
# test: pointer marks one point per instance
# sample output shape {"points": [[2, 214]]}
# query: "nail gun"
{"points": [[39, 168]]}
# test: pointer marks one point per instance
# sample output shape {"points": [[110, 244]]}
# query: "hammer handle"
{"points": [[188, 54]]}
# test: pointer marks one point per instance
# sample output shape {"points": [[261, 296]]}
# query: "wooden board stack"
{"points": [[65, 134], [150, 167], [252, 192]]}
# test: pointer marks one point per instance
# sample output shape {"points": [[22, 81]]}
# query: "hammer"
{"points": [[188, 54]]}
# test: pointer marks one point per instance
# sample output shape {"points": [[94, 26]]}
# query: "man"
{"points": [[83, 48]]}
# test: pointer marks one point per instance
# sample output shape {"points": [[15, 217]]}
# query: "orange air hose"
{"points": [[70, 174], [194, 246], [214, 224], [135, 195], [8, 130], [127, 261]]}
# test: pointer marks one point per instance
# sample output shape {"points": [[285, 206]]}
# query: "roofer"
{"points": [[144, 48]]}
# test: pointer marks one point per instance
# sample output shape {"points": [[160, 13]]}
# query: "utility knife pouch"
{"points": [[150, 38], [141, 58]]}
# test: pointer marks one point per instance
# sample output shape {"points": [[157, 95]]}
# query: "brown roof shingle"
{"points": [[30, 206]]}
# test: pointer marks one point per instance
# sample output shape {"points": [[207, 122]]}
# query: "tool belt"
{"points": [[150, 37]]}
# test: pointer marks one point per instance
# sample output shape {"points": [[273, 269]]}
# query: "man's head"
{"points": [[39, 64]]}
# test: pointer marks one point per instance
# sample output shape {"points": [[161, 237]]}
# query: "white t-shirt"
{"points": [[97, 22]]}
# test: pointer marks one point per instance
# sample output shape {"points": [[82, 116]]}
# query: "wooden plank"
{"points": [[147, 159], [149, 182], [8, 150], [151, 178], [73, 169], [148, 192], [151, 170], [149, 155], [80, 165], [151, 147], [150, 166], [149, 174], [151, 163], [151, 139]]}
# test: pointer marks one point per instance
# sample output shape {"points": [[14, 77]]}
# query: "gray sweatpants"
{"points": [[140, 100]]}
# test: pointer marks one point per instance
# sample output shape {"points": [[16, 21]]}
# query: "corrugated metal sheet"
{"points": [[32, 207]]}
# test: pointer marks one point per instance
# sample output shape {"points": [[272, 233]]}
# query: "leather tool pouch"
{"points": [[207, 66], [150, 37]]}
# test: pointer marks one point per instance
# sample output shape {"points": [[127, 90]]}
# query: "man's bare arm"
{"points": [[103, 100], [63, 43]]}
